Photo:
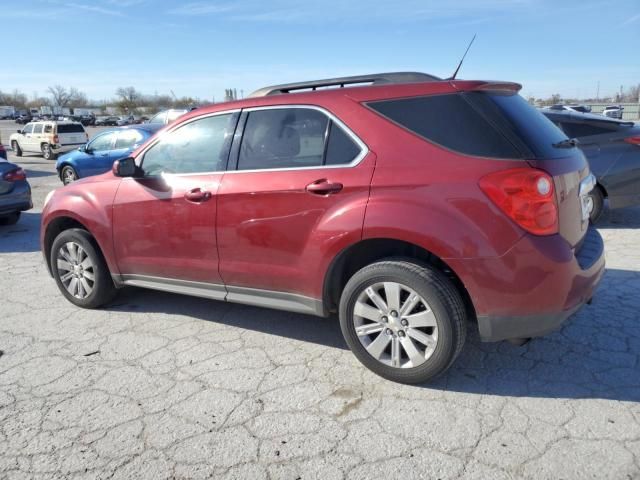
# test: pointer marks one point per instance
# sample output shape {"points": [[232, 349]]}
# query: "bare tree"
{"points": [[60, 95], [128, 98]]}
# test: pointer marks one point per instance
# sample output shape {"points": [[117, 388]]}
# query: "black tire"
{"points": [[443, 299], [16, 148], [597, 196], [47, 152], [68, 175], [10, 219], [103, 288]]}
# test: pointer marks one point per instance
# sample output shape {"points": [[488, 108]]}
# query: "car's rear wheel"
{"points": [[80, 270], [403, 321], [597, 199], [10, 219], [16, 148], [68, 175], [47, 152]]}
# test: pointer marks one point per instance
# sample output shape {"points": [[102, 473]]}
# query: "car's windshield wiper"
{"points": [[567, 143]]}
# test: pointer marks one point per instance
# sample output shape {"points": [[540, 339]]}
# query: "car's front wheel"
{"points": [[403, 321], [47, 152], [16, 148], [79, 269], [68, 175]]}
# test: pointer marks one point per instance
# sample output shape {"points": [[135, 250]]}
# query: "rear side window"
{"points": [[37, 128], [477, 123], [577, 130], [70, 128], [48, 128], [127, 139], [294, 138]]}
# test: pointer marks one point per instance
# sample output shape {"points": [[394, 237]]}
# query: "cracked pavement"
{"points": [[166, 386]]}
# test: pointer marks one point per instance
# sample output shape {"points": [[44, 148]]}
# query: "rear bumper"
{"points": [[534, 288], [18, 200], [66, 147]]}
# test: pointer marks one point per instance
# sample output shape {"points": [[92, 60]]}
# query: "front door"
{"points": [[300, 186], [27, 141], [164, 220], [97, 155]]}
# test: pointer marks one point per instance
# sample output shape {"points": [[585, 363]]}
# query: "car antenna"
{"points": [[453, 77]]}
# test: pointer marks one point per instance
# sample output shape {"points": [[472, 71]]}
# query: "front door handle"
{"points": [[197, 195], [324, 187]]}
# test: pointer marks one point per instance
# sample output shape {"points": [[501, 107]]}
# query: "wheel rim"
{"points": [[45, 151], [395, 325], [68, 175], [75, 270]]}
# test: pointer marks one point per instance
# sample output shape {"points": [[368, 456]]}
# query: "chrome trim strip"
{"points": [[290, 302]]}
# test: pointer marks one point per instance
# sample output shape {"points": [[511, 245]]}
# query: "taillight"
{"points": [[56, 139], [15, 175], [633, 140], [527, 196]]}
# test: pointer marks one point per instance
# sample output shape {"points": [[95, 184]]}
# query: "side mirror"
{"points": [[19, 130], [82, 148], [125, 167]]}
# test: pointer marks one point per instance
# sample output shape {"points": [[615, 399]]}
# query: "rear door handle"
{"points": [[324, 187], [197, 195]]}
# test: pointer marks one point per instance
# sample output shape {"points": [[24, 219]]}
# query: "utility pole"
{"points": [[598, 92]]}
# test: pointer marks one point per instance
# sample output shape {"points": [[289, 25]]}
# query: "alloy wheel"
{"points": [[395, 325], [75, 270]]}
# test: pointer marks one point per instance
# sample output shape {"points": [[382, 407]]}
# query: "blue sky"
{"points": [[199, 48]]}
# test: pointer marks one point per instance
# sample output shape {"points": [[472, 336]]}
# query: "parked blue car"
{"points": [[98, 155]]}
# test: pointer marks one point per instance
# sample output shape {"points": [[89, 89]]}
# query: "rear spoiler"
{"points": [[487, 86]]}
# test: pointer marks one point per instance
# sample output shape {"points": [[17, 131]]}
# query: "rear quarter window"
{"points": [[483, 124]]}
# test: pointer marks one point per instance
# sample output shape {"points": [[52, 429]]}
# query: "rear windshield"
{"points": [[70, 128], [477, 123]]}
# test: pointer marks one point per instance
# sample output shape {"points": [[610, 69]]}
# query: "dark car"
{"points": [[98, 155], [15, 193], [23, 119], [612, 148], [107, 121], [406, 206]]}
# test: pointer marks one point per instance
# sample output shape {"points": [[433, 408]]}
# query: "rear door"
{"points": [[71, 134], [285, 198]]}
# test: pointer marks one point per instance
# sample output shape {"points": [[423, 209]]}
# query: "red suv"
{"points": [[404, 203]]}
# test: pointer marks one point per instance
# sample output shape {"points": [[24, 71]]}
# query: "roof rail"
{"points": [[372, 79]]}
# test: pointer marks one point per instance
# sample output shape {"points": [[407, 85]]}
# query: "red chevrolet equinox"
{"points": [[413, 207]]}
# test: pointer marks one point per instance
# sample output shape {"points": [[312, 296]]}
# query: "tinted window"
{"points": [[28, 128], [102, 142], [577, 130], [450, 121], [341, 149], [199, 146], [283, 138], [70, 128], [526, 127], [128, 138], [37, 128], [158, 118]]}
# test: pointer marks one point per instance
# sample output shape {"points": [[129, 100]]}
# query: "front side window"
{"points": [[128, 138], [293, 138], [37, 128], [196, 147], [28, 128], [102, 142]]}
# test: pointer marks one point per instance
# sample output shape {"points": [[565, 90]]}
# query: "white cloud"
{"points": [[200, 8], [95, 9], [633, 19]]}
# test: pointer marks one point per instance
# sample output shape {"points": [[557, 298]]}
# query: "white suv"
{"points": [[48, 138]]}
